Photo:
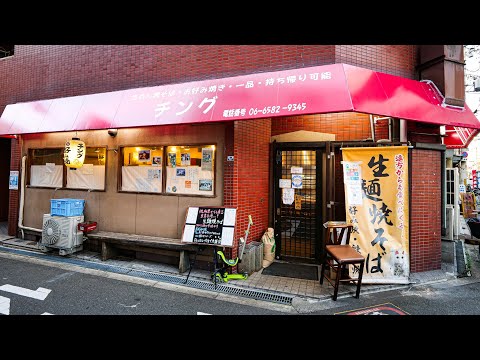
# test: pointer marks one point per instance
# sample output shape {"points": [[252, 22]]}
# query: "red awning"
{"points": [[458, 137], [312, 90]]}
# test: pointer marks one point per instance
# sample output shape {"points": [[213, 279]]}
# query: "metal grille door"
{"points": [[297, 220]]}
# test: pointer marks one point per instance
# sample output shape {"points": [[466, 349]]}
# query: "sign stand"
{"points": [[215, 266], [192, 264], [209, 226]]}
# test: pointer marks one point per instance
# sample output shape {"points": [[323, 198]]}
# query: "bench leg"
{"points": [[108, 251], [184, 263]]}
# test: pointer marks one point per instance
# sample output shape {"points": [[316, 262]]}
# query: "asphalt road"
{"points": [[76, 293], [444, 298], [71, 290]]}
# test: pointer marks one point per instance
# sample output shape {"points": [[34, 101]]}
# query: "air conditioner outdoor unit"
{"points": [[61, 232]]}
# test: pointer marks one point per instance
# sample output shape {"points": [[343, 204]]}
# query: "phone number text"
{"points": [[276, 109]]}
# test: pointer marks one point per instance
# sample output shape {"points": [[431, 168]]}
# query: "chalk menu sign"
{"points": [[210, 226]]}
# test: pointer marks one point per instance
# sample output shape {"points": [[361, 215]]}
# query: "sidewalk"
{"points": [[298, 292]]}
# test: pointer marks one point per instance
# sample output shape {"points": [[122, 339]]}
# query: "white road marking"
{"points": [[202, 313], [46, 313], [39, 294], [129, 306], [60, 277], [4, 305]]}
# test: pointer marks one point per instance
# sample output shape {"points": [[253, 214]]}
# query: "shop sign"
{"points": [[379, 212]]}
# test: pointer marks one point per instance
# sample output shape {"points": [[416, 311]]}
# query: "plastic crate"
{"points": [[66, 207]]}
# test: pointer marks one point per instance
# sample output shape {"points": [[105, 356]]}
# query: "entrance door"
{"points": [[297, 223]]}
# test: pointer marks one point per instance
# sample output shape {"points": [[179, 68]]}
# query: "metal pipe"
{"points": [[390, 129], [22, 202], [372, 127], [403, 130]]}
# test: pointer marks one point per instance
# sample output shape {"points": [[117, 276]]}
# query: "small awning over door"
{"points": [[459, 137]]}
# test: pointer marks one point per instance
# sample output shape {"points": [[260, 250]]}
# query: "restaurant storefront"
{"points": [[238, 142]]}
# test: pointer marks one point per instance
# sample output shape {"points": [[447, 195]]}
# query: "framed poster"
{"points": [[144, 156], [156, 161]]}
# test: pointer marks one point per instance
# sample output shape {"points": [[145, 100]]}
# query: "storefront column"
{"points": [[246, 184], [15, 158], [425, 210]]}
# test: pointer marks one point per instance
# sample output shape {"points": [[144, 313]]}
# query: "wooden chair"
{"points": [[337, 256]]}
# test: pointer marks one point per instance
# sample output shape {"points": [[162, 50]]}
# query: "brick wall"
{"points": [[250, 177], [346, 126], [4, 178], [397, 60], [425, 211]]}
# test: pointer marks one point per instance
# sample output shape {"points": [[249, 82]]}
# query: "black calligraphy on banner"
{"points": [[381, 219]]}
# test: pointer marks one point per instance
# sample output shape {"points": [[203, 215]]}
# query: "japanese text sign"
{"points": [[380, 218], [210, 226]]}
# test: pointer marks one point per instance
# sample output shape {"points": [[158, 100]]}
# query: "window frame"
{"points": [[121, 152], [28, 174], [164, 172], [64, 170], [104, 178]]}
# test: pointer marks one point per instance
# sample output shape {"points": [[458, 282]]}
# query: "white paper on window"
{"points": [[40, 176], [87, 169], [92, 178], [138, 178], [192, 215], [229, 217], [50, 167], [188, 184], [192, 173], [188, 233], [227, 236]]}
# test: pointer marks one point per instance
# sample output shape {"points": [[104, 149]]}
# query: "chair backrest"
{"points": [[335, 237]]}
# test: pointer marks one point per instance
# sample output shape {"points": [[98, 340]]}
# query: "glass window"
{"points": [[190, 169], [46, 167], [142, 169], [92, 174]]}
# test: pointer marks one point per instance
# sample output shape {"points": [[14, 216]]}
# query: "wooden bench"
{"points": [[110, 240]]}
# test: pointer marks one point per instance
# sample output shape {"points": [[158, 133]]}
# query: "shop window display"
{"points": [[46, 168], [190, 170], [142, 169], [91, 175]]}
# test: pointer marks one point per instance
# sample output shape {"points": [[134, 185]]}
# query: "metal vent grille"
{"points": [[51, 232]]}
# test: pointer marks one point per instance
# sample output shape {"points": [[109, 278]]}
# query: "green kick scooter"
{"points": [[221, 274]]}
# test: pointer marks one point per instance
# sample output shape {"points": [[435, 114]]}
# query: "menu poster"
{"points": [[210, 226]]}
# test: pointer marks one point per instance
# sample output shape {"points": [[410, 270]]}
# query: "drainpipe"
{"points": [[390, 124], [403, 130], [22, 202], [372, 127]]}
